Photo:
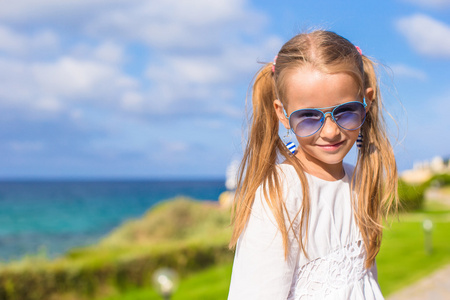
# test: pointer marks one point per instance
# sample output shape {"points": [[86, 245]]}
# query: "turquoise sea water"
{"points": [[54, 216]]}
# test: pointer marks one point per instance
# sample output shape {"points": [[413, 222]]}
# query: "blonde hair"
{"points": [[375, 176]]}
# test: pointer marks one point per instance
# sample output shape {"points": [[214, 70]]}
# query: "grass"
{"points": [[210, 284], [402, 259]]}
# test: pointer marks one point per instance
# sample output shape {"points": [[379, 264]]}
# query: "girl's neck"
{"points": [[314, 167], [327, 175]]}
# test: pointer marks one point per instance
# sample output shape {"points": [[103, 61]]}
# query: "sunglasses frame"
{"points": [[325, 116]]}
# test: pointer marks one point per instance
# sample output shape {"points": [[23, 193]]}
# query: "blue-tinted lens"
{"points": [[305, 122], [349, 116]]}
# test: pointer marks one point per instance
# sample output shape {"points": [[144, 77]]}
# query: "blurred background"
{"points": [[108, 107]]}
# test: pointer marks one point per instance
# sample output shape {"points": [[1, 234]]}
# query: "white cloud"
{"points": [[116, 68], [175, 147], [25, 146], [14, 43], [192, 24], [49, 104], [160, 24], [72, 77], [206, 82], [132, 101], [109, 52], [402, 70], [15, 83], [426, 35], [52, 11], [439, 4], [191, 70], [200, 51], [9, 41], [76, 114], [61, 85]]}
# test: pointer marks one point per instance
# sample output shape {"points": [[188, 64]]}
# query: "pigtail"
{"points": [[258, 163], [258, 166], [375, 177]]}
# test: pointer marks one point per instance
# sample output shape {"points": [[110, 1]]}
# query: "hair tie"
{"points": [[359, 50], [273, 64]]}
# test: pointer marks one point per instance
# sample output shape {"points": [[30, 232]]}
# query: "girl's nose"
{"points": [[329, 129]]}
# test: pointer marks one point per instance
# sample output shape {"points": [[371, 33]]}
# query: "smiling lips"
{"points": [[331, 147]]}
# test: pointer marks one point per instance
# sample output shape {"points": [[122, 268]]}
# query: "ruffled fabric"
{"points": [[339, 275]]}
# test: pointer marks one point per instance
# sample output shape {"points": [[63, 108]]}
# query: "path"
{"points": [[436, 195], [435, 286]]}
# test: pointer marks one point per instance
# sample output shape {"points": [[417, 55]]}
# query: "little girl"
{"points": [[310, 227]]}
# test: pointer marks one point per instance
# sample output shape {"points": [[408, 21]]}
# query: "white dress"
{"points": [[334, 268]]}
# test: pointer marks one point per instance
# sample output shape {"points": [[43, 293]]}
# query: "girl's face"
{"points": [[323, 152]]}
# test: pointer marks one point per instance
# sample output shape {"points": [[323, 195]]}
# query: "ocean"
{"points": [[50, 217]]}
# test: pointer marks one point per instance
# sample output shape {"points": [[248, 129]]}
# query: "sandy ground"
{"points": [[435, 286], [435, 195]]}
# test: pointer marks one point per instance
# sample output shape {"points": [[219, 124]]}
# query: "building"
{"points": [[424, 170]]}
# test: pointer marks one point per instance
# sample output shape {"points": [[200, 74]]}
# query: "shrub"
{"points": [[195, 236], [411, 196], [439, 180]]}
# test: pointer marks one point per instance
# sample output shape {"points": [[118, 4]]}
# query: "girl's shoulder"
{"points": [[291, 186], [289, 183], [288, 175]]}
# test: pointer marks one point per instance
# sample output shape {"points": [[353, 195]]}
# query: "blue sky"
{"points": [[156, 89]]}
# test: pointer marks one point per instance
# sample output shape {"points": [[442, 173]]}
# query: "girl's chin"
{"points": [[321, 159]]}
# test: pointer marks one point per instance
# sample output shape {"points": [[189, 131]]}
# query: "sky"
{"points": [[157, 89]]}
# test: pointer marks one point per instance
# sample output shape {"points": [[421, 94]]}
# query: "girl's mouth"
{"points": [[331, 147]]}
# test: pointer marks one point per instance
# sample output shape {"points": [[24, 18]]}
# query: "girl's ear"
{"points": [[369, 97], [279, 109]]}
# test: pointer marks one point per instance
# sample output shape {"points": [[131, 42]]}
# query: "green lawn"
{"points": [[401, 261], [210, 284]]}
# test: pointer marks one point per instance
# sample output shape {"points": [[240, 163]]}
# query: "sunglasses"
{"points": [[348, 116]]}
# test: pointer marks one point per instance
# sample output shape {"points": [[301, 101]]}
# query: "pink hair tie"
{"points": [[274, 63], [359, 50]]}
